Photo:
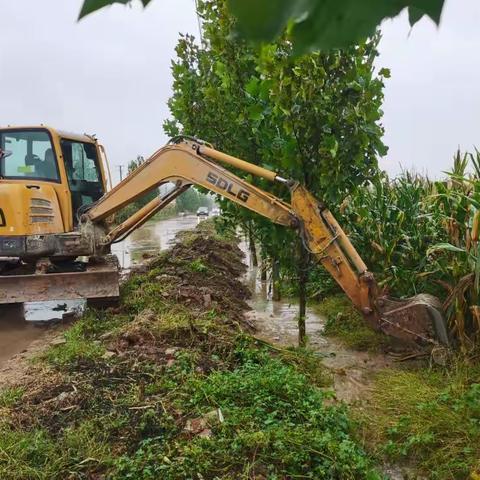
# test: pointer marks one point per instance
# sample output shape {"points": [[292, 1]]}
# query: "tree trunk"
{"points": [[252, 248], [263, 271], [302, 293], [276, 280]]}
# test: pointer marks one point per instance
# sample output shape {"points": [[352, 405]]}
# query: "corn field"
{"points": [[419, 235]]}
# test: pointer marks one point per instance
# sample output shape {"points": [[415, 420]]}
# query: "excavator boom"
{"points": [[189, 162]]}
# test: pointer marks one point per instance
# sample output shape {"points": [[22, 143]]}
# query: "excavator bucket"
{"points": [[98, 283], [418, 320]]}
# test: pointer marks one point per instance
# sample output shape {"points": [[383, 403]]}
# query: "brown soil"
{"points": [[16, 366], [204, 273]]}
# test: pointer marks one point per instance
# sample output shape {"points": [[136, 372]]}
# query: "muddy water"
{"points": [[16, 333], [277, 322], [151, 239]]}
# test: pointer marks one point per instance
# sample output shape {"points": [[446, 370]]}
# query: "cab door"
{"points": [[83, 173]]}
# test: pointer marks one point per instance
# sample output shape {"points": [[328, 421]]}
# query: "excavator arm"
{"points": [[185, 162]]}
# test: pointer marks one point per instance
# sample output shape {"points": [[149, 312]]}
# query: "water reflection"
{"points": [[278, 320], [150, 239]]}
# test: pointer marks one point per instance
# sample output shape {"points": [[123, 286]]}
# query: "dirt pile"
{"points": [[201, 271], [171, 386]]}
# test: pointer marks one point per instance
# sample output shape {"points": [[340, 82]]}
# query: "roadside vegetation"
{"points": [[173, 385], [426, 418]]}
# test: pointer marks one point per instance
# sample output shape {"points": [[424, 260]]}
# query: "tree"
{"points": [[133, 207], [314, 118], [313, 24]]}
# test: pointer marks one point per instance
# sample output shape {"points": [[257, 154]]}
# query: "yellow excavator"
{"points": [[55, 210]]}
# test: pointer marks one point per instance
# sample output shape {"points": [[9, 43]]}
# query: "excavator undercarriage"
{"points": [[418, 321]]}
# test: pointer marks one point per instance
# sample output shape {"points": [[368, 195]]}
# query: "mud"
{"points": [[203, 271]]}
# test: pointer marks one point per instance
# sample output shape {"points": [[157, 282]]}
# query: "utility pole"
{"points": [[199, 20], [120, 168]]}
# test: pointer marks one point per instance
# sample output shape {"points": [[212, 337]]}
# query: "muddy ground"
{"points": [[173, 385]]}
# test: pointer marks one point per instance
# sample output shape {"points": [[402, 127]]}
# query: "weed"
{"points": [[431, 418], [275, 424], [346, 323], [198, 266], [78, 347], [11, 396]]}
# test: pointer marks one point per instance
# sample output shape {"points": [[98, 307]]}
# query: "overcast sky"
{"points": [[110, 74]]}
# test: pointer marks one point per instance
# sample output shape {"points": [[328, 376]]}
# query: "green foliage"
{"points": [[313, 24], [275, 425], [191, 199], [416, 237], [314, 118], [324, 24], [430, 418], [345, 323], [392, 223]]}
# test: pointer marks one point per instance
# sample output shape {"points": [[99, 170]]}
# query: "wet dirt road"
{"points": [[16, 334]]}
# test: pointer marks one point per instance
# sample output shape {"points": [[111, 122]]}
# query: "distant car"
{"points": [[216, 212], [202, 212]]}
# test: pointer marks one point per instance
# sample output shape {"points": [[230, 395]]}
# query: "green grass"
{"points": [[430, 418], [36, 454], [10, 396], [275, 425], [345, 323], [198, 266]]}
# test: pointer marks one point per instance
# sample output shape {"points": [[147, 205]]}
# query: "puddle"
{"points": [[150, 239], [277, 322], [15, 332]]}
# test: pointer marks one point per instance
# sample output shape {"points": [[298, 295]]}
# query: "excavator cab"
{"points": [[46, 178]]}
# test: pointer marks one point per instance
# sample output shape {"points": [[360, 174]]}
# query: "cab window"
{"points": [[27, 154], [83, 172], [81, 161]]}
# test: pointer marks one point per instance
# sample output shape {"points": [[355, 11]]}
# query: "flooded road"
{"points": [[277, 322], [150, 239]]}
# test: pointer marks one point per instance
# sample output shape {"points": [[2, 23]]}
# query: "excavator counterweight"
{"points": [[54, 207]]}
